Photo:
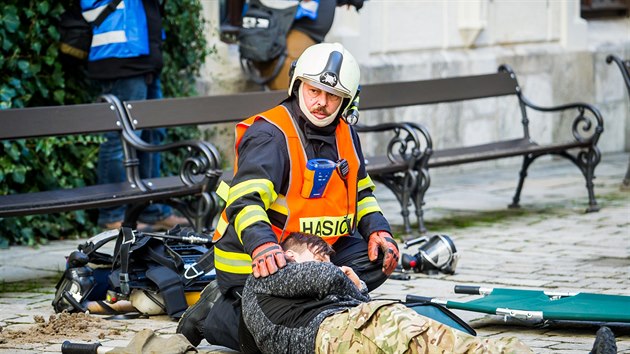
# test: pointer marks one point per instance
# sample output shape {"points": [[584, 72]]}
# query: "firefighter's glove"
{"points": [[267, 259], [384, 241]]}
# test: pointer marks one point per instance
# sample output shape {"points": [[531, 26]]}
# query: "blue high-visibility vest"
{"points": [[123, 34]]}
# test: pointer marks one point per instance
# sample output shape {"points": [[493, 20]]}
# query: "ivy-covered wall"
{"points": [[34, 73]]}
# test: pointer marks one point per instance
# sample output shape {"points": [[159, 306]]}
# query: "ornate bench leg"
{"points": [[402, 188], [626, 180], [200, 210], [408, 186], [527, 160], [214, 208], [424, 181], [132, 213], [587, 161]]}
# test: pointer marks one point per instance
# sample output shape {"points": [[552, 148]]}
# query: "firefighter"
{"points": [[299, 167]]}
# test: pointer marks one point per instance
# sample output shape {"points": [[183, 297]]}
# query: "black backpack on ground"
{"points": [[168, 264]]}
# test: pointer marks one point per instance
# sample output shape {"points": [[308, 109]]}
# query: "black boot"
{"points": [[191, 323], [604, 342]]}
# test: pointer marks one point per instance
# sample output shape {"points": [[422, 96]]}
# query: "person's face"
{"points": [[306, 256], [319, 102]]}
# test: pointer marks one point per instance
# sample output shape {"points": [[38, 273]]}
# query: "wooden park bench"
{"points": [[408, 143], [198, 175], [410, 154], [624, 67], [581, 148]]}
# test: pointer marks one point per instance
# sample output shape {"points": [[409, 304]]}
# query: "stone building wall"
{"points": [[558, 58]]}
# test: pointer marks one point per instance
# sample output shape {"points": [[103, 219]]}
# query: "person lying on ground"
{"points": [[312, 305]]}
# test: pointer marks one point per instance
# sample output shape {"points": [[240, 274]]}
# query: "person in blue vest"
{"points": [[125, 60]]}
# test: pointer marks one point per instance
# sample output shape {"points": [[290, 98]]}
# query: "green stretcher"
{"points": [[540, 305]]}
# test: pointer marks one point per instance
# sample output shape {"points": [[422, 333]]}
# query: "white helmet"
{"points": [[330, 67]]}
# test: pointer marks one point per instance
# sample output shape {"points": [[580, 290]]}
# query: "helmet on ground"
{"points": [[330, 67], [436, 254], [147, 302]]}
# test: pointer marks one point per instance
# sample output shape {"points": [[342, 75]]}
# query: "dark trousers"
{"points": [[221, 325]]}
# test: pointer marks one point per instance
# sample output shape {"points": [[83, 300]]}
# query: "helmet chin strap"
{"points": [[316, 121]]}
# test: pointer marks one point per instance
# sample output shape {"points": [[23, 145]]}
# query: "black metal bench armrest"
{"points": [[201, 166], [410, 143], [581, 123], [624, 66], [592, 125]]}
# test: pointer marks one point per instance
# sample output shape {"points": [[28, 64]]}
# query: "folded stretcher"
{"points": [[540, 305]]}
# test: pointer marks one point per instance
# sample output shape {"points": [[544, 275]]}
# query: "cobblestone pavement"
{"points": [[550, 243]]}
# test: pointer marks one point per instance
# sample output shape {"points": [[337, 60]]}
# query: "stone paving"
{"points": [[550, 243]]}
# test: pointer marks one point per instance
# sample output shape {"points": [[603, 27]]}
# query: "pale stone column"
{"points": [[574, 29], [472, 19], [221, 73]]}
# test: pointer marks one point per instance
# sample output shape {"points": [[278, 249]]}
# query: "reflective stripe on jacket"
{"points": [[123, 34]]}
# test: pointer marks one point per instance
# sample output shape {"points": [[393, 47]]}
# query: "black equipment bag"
{"points": [[263, 37], [158, 263]]}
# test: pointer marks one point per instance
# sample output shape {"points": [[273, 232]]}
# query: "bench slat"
{"points": [[508, 148], [234, 108], [202, 110], [400, 94], [89, 197], [376, 165], [57, 120]]}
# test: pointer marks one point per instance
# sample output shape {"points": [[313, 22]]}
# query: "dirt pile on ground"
{"points": [[64, 326]]}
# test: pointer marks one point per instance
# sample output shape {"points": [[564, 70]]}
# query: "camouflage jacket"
{"points": [[315, 280]]}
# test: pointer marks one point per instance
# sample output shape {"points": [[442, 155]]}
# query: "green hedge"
{"points": [[33, 73]]}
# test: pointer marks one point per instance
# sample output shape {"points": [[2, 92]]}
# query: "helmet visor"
{"points": [[337, 91]]}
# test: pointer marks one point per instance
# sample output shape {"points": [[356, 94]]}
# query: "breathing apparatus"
{"points": [[75, 285], [436, 254], [146, 268]]}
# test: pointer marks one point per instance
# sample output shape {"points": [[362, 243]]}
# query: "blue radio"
{"points": [[316, 177]]}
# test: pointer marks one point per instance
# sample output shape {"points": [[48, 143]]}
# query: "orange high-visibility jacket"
{"points": [[321, 216], [325, 216]]}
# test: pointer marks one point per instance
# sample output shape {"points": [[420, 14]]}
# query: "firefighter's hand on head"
{"points": [[267, 259], [383, 240]]}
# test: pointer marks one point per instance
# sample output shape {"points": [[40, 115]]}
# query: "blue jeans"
{"points": [[110, 157]]}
